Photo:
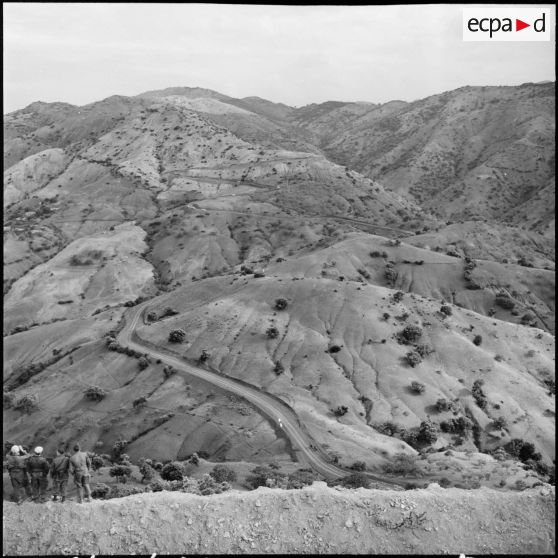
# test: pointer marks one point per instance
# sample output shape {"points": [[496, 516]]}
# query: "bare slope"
{"points": [[316, 520]]}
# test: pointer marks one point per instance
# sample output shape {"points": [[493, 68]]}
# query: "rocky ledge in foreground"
{"points": [[316, 519]]}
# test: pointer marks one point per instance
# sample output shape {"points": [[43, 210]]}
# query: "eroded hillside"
{"points": [[207, 210]]}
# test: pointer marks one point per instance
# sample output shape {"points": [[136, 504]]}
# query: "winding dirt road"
{"points": [[306, 449]]}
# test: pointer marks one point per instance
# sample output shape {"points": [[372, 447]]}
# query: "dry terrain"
{"points": [[315, 520], [383, 273]]}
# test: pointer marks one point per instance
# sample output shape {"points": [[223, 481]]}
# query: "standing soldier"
{"points": [[80, 465], [37, 468], [18, 473], [59, 473]]}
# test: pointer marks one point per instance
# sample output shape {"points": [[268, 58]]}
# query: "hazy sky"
{"points": [[80, 53]]}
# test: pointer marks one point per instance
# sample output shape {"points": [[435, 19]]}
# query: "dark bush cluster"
{"points": [[447, 310], [398, 296], [428, 432], [143, 363], [458, 425], [504, 301], [272, 332], [281, 304], [355, 480], [358, 466], [278, 368], [341, 410], [477, 340], [410, 334], [168, 371], [121, 472], [177, 336], [139, 402], [390, 274], [27, 403], [443, 405], [522, 450], [478, 394], [417, 387], [173, 471], [147, 471], [95, 393], [222, 473], [377, 254], [402, 464], [413, 358], [499, 423]]}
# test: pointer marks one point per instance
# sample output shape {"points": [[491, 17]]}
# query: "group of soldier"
{"points": [[29, 474]]}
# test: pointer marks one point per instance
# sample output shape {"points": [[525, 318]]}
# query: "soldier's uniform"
{"points": [[37, 469], [59, 473], [80, 465], [18, 475]]}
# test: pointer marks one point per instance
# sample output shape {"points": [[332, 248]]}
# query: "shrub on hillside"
{"points": [[528, 318], [417, 387], [459, 425], [427, 432], [207, 485], [143, 363], [278, 368], [147, 471], [444, 482], [158, 485], [94, 393], [447, 310], [358, 466], [177, 336], [390, 274], [499, 423], [300, 478], [272, 332], [341, 410], [97, 462], [477, 340], [424, 350], [410, 334], [118, 448], [443, 405], [398, 296], [402, 464], [168, 371], [28, 403], [222, 473], [389, 428], [355, 480], [478, 394], [280, 304], [173, 471], [412, 358], [523, 450], [203, 357], [139, 402], [504, 301], [264, 476], [100, 491], [121, 472]]}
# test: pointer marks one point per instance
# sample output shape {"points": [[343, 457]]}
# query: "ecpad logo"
{"points": [[506, 24]]}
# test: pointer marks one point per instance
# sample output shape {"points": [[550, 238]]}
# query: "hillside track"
{"points": [[284, 417]]}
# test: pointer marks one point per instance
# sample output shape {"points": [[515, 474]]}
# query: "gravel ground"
{"points": [[316, 519]]}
